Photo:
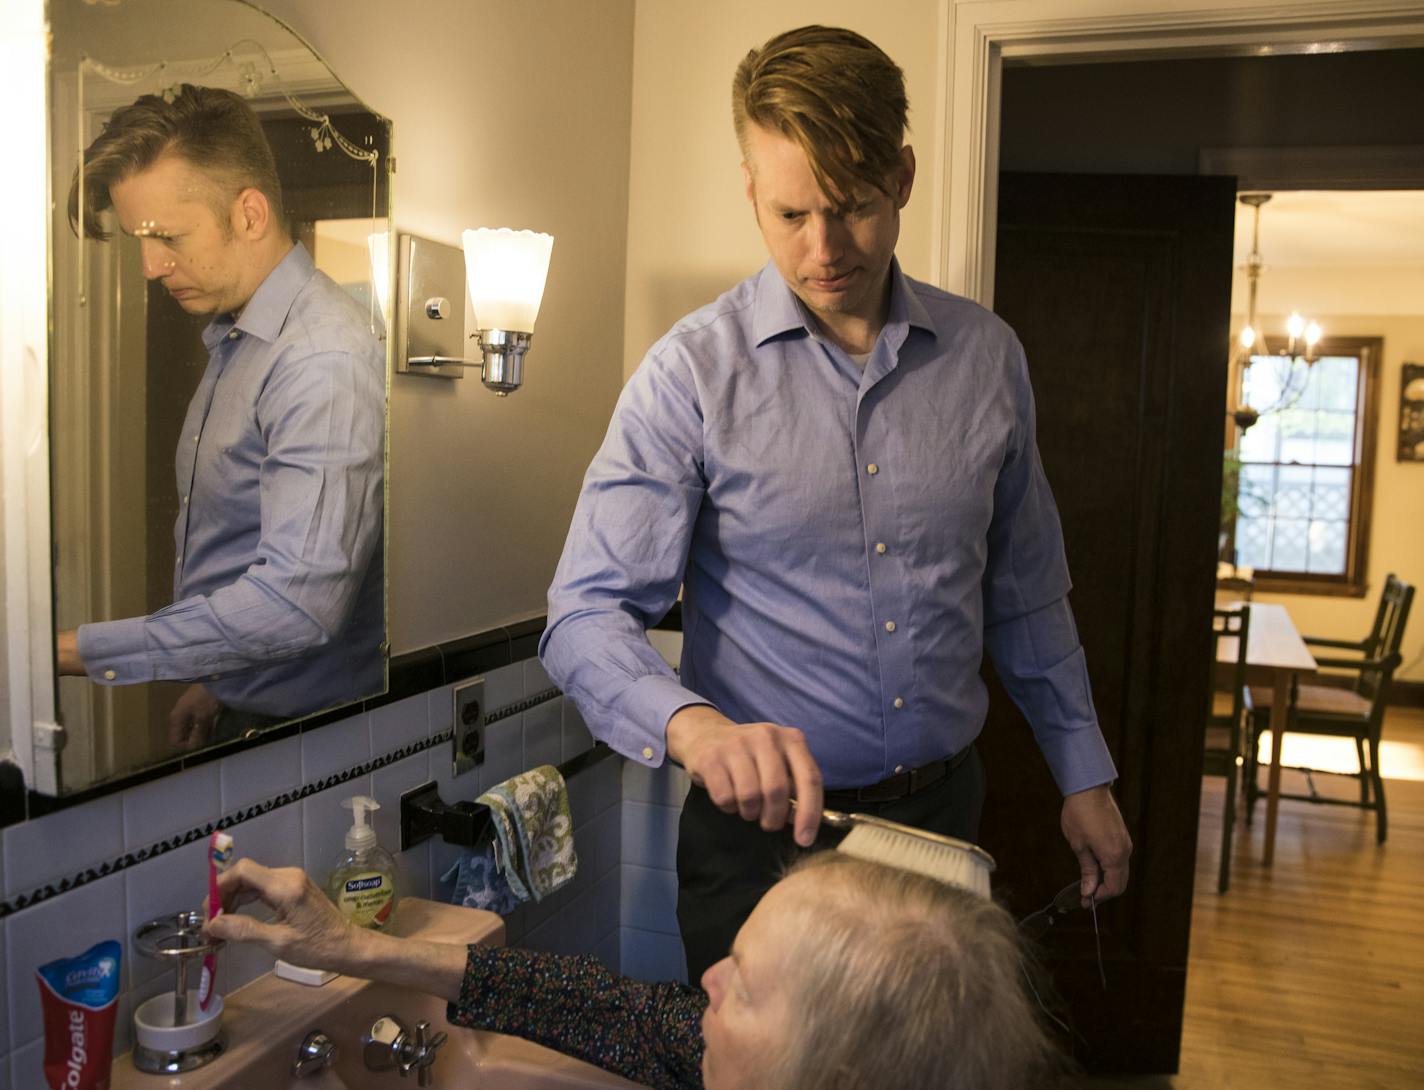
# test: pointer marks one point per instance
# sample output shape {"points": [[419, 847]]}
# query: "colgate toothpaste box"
{"points": [[81, 998]]}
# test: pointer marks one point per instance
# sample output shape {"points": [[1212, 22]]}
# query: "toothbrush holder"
{"points": [[171, 1035]]}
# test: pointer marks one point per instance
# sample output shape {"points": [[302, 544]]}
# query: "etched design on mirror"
{"points": [[206, 479]]}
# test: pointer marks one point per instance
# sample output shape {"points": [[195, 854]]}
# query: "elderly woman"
{"points": [[847, 975]]}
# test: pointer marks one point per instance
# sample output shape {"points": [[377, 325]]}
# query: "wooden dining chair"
{"points": [[1222, 753], [1355, 712]]}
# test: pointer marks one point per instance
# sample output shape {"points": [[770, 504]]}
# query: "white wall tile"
{"points": [[5, 1083], [27, 1067], [504, 752], [273, 839], [503, 687], [536, 678], [648, 899], [396, 725], [156, 810], [4, 1001], [175, 881], [543, 735], [649, 835], [256, 775], [599, 843], [324, 825], [608, 952], [596, 789], [62, 844], [58, 928], [388, 784], [335, 747], [580, 922], [441, 706], [665, 786], [552, 937], [647, 955], [607, 894], [577, 738]]}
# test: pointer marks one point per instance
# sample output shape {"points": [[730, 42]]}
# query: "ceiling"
{"points": [[1335, 228]]}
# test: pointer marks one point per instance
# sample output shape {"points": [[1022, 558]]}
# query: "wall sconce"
{"points": [[505, 272]]}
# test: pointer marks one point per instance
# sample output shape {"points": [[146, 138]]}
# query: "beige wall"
{"points": [[1397, 522], [691, 234], [506, 115]]}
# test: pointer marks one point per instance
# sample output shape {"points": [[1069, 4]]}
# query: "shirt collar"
{"points": [[267, 310], [777, 310]]}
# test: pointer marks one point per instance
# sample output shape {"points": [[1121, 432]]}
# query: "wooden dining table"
{"points": [[1274, 651]]}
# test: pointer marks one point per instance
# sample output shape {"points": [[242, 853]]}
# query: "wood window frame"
{"points": [[1354, 582]]}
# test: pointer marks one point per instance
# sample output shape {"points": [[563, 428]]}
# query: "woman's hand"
{"points": [[306, 928]]}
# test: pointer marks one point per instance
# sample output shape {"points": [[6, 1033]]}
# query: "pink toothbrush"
{"points": [[219, 855]]}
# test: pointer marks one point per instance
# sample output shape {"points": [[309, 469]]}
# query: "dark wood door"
{"points": [[1119, 288]]}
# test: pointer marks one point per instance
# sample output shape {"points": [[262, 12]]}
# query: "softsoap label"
{"points": [[366, 898]]}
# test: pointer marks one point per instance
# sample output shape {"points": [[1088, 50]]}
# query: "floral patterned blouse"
{"points": [[649, 1033]]}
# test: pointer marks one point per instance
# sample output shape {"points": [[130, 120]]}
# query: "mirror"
{"points": [[228, 505]]}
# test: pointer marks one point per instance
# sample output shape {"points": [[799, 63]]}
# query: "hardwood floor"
{"points": [[1310, 974]]}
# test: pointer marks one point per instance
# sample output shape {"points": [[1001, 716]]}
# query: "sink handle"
{"points": [[317, 1051], [424, 1052]]}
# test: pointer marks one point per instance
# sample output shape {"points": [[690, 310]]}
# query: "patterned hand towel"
{"points": [[536, 831], [479, 883]]}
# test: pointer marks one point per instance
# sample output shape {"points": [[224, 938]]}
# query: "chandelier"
{"points": [[1302, 337]]}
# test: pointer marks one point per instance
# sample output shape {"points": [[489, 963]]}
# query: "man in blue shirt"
{"points": [[837, 466], [278, 582]]}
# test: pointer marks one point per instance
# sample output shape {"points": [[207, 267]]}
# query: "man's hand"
{"points": [[752, 769], [305, 928], [192, 718], [66, 654], [1096, 833]]}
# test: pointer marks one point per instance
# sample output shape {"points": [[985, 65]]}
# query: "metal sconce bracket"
{"points": [[430, 309]]}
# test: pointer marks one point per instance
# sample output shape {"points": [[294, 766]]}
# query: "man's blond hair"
{"points": [[896, 980], [837, 95]]}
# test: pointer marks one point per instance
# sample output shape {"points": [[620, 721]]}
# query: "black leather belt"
{"points": [[899, 786]]}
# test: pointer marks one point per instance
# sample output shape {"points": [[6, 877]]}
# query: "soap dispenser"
{"points": [[363, 883]]}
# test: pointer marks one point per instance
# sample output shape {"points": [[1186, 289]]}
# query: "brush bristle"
{"points": [[941, 862], [222, 849]]}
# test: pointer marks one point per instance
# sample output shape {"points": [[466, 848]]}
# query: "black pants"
{"points": [[725, 864]]}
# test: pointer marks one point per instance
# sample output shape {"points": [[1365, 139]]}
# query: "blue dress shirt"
{"points": [[278, 582], [848, 542]]}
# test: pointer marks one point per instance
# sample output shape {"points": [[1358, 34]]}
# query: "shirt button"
{"points": [[889, 626], [233, 335], [195, 438], [899, 769], [880, 547], [899, 703], [109, 675], [647, 753], [872, 469], [185, 499]]}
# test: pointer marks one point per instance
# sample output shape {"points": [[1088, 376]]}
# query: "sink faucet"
{"points": [[318, 1051], [389, 1044]]}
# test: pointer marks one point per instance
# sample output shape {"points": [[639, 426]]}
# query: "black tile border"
{"points": [[129, 859]]}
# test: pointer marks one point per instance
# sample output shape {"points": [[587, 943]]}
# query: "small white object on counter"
{"points": [[313, 977]]}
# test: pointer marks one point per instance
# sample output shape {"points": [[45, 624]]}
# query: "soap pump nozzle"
{"points": [[360, 836]]}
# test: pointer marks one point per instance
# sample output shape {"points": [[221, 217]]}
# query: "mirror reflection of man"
{"points": [[837, 466], [278, 582]]}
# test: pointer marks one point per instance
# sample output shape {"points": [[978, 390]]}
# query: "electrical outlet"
{"points": [[469, 741]]}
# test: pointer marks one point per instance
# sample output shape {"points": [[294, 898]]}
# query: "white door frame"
{"points": [[982, 34]]}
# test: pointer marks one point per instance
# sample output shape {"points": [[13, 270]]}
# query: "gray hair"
{"points": [[900, 980]]}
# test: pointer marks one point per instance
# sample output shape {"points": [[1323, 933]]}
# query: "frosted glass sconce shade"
{"points": [[505, 271]]}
